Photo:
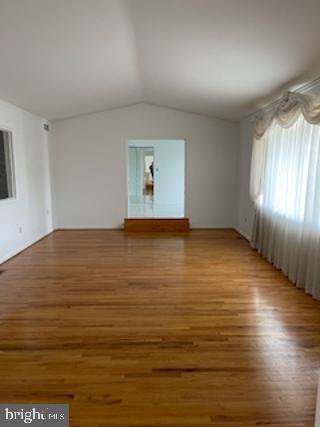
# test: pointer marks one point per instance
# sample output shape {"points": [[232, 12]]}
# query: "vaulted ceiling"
{"points": [[61, 58]]}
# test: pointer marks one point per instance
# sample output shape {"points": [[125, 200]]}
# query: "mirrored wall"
{"points": [[156, 178]]}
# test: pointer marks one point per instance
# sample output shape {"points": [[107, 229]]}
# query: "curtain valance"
{"points": [[288, 110]]}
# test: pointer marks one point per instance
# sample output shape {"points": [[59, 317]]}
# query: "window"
{"points": [[7, 188], [285, 187], [291, 170]]}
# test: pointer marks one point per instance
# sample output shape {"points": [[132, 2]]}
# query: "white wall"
{"points": [[27, 217], [89, 164], [245, 205]]}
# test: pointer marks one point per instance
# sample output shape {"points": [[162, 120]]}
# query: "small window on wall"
{"points": [[7, 187]]}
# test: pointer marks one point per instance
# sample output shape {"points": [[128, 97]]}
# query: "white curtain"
{"points": [[285, 186]]}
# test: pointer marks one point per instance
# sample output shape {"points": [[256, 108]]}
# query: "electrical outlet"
{"points": [[20, 230]]}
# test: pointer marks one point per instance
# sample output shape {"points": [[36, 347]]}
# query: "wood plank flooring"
{"points": [[156, 224], [158, 330]]}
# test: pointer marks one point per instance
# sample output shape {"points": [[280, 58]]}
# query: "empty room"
{"points": [[160, 213]]}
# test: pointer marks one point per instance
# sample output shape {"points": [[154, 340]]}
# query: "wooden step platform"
{"points": [[156, 224]]}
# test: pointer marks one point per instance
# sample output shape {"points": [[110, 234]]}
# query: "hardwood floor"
{"points": [[156, 224], [157, 330]]}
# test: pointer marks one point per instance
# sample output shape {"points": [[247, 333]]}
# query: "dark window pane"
{"points": [[4, 187]]}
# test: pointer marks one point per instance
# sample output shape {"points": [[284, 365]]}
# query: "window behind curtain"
{"points": [[292, 174]]}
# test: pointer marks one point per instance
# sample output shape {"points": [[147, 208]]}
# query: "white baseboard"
{"points": [[317, 420], [245, 235], [23, 247], [83, 227], [210, 227]]}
